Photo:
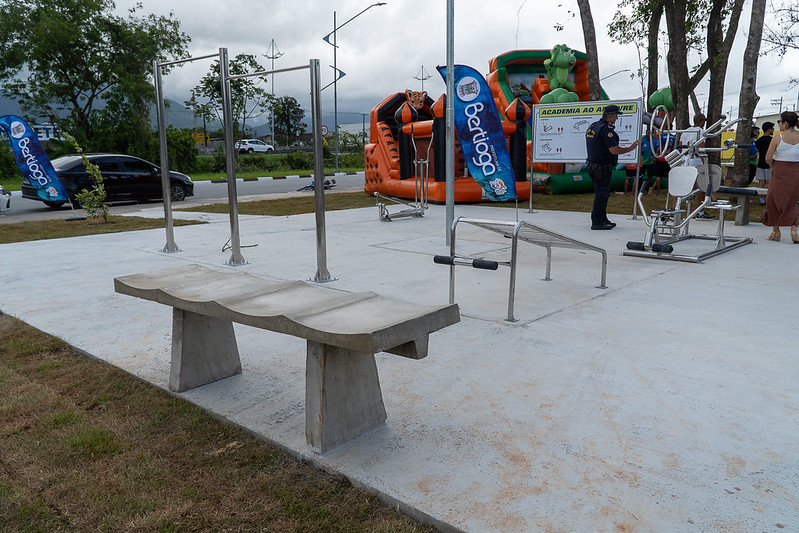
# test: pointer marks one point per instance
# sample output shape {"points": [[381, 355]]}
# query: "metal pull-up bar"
{"points": [[160, 112], [322, 273]]}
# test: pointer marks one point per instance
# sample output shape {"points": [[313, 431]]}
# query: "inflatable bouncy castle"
{"points": [[408, 128]]}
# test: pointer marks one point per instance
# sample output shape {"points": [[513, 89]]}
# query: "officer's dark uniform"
{"points": [[599, 138]]}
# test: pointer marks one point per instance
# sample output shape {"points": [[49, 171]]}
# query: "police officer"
{"points": [[602, 145]]}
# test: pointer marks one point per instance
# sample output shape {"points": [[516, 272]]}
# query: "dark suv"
{"points": [[124, 178]]}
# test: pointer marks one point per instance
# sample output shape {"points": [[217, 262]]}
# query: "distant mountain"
{"points": [[178, 116]]}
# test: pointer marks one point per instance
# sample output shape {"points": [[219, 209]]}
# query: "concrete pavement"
{"points": [[666, 402]]}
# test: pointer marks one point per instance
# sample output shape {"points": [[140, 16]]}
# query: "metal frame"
{"points": [[420, 189], [236, 258], [160, 112], [516, 231], [666, 226]]}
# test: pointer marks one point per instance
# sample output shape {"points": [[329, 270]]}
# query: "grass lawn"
{"points": [[85, 446]]}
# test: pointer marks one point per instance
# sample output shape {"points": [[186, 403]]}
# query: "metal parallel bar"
{"points": [[178, 61], [452, 266], [230, 162], [322, 273], [512, 287], [170, 245], [267, 72], [516, 229]]}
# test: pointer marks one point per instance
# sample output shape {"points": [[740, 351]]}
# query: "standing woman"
{"points": [[783, 189]]}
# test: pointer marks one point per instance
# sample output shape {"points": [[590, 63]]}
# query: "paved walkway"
{"points": [[666, 402]]}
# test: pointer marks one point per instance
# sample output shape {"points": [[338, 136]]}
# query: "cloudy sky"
{"points": [[383, 49]]}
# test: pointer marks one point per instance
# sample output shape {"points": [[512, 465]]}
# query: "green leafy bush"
{"points": [[299, 160], [8, 167]]}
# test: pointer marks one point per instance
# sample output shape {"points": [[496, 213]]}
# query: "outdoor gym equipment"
{"points": [[420, 186], [669, 226], [516, 231], [322, 274]]}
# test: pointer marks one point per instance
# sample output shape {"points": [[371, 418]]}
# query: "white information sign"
{"points": [[559, 129]]}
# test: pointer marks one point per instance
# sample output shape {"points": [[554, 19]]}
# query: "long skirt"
{"points": [[783, 194]]}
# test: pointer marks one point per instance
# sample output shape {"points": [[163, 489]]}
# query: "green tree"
{"points": [[181, 148], [288, 119], [249, 99], [60, 58]]}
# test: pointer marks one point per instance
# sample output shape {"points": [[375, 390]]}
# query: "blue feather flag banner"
{"points": [[32, 159], [479, 129]]}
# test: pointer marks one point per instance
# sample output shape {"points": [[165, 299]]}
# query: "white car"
{"points": [[5, 199], [250, 146]]}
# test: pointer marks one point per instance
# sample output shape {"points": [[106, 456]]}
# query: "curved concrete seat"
{"points": [[343, 331]]}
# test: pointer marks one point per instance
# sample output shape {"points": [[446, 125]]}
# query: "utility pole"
{"points": [[777, 102], [273, 53], [422, 75]]}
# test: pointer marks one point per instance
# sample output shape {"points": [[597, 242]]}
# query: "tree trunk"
{"points": [[592, 58], [718, 53], [748, 98], [652, 51], [677, 60]]}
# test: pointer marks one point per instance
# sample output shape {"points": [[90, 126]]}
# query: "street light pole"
{"points": [[338, 74], [335, 91]]}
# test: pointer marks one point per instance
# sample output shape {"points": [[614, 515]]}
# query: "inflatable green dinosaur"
{"points": [[662, 97], [559, 64], [559, 96]]}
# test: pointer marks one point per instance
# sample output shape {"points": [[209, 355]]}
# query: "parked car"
{"points": [[124, 178], [5, 199], [249, 146]]}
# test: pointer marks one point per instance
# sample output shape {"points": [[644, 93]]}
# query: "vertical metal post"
{"points": [[227, 118], [319, 175], [170, 245], [450, 118], [335, 89]]}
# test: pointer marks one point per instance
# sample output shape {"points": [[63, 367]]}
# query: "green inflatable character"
{"points": [[662, 97], [559, 96], [559, 64]]}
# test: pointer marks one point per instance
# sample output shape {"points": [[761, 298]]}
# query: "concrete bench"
{"points": [[343, 331], [741, 195]]}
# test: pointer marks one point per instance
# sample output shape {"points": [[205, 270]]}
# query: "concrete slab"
{"points": [[667, 402]]}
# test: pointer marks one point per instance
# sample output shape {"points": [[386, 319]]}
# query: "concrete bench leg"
{"points": [[204, 350], [342, 395], [742, 214]]}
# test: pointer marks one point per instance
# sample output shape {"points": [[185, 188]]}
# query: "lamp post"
{"points": [[336, 72], [617, 72]]}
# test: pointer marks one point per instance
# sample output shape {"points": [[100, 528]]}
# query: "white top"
{"points": [[787, 152]]}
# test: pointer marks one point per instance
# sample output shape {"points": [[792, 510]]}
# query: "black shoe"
{"points": [[602, 226], [611, 224], [705, 216]]}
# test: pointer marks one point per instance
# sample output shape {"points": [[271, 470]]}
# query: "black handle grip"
{"points": [[443, 260], [662, 248], [485, 264]]}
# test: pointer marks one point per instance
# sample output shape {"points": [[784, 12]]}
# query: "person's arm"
{"points": [[772, 147], [618, 150]]}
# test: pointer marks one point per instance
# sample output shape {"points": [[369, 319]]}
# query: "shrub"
{"points": [[299, 160]]}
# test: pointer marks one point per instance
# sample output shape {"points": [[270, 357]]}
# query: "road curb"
{"points": [[287, 177]]}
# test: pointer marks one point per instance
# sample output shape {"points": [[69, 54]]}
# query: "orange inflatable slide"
{"points": [[407, 143]]}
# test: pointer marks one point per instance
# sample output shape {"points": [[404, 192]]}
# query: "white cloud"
{"points": [[383, 48]]}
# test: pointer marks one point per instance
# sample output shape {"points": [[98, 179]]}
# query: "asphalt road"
{"points": [[205, 192]]}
